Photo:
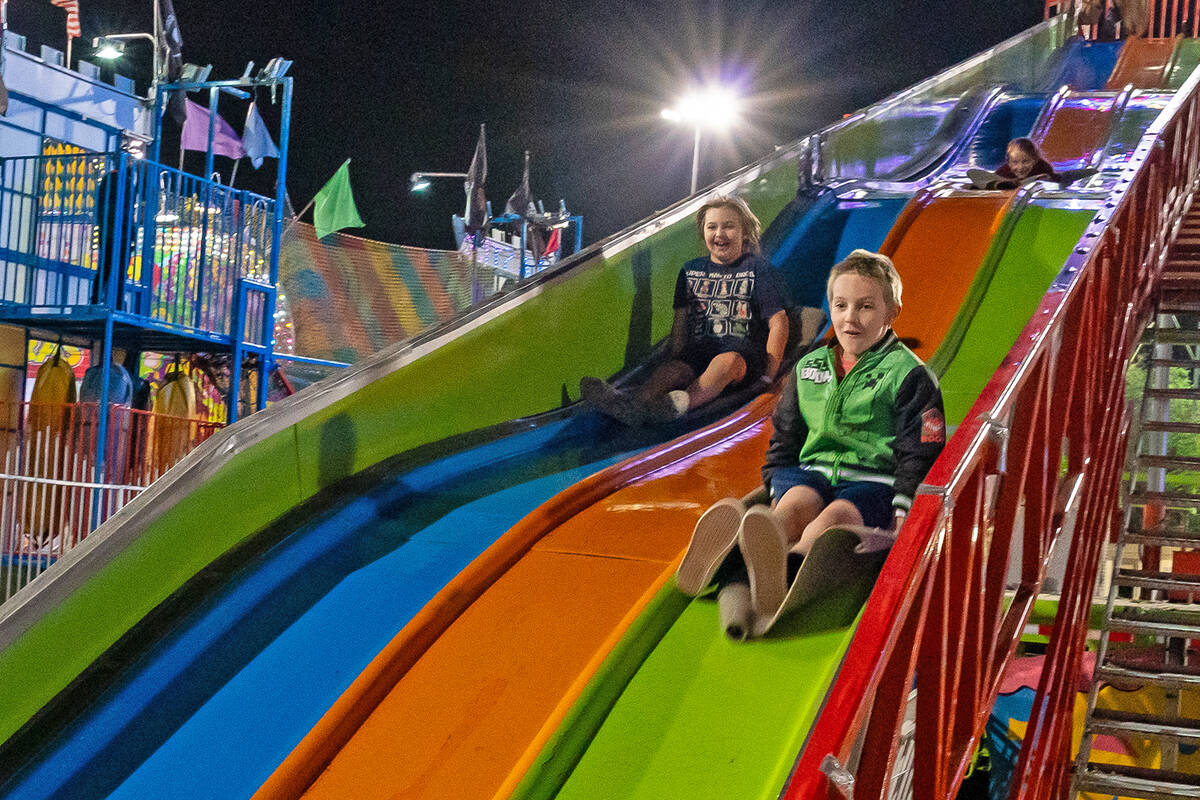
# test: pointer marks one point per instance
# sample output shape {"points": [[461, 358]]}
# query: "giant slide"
{"points": [[483, 619]]}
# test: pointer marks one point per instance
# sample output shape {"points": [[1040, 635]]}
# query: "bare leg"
{"points": [[667, 376], [798, 507], [839, 512], [723, 370]]}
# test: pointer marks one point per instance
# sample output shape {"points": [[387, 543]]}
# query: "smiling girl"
{"points": [[730, 327]]}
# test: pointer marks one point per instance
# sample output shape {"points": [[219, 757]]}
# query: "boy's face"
{"points": [[723, 235], [859, 312], [1020, 162]]}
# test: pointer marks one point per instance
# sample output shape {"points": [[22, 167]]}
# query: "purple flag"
{"points": [[195, 133]]}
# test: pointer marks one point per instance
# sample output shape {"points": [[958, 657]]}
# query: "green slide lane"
{"points": [[704, 717], [728, 718], [1033, 255], [1185, 59]]}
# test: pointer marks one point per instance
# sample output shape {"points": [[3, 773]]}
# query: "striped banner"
{"points": [[72, 7]]}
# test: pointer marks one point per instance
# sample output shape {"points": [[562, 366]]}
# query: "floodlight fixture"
{"points": [[420, 181], [111, 46], [275, 69], [107, 49], [713, 107], [194, 73], [710, 107]]}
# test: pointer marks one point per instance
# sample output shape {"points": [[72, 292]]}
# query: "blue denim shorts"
{"points": [[873, 500]]}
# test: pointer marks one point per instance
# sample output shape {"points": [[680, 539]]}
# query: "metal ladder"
{"points": [[1159, 607]]}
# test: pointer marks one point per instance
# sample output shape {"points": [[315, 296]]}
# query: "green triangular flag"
{"points": [[333, 207]]}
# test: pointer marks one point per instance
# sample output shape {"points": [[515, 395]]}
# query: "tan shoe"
{"points": [[714, 537], [764, 548]]}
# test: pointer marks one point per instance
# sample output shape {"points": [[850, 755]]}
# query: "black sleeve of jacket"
{"points": [[920, 432], [790, 431]]}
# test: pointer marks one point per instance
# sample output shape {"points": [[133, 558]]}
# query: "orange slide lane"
{"points": [[937, 244], [1078, 127], [476, 706], [466, 714], [1143, 63]]}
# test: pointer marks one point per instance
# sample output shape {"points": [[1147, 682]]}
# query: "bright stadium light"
{"points": [[714, 108], [420, 181]]}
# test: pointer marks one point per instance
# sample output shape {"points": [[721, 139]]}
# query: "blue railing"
{"points": [[111, 231]]}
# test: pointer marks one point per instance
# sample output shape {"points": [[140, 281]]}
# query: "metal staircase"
{"points": [[1150, 602]]}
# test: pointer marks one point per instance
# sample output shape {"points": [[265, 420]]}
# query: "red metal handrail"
{"points": [[1051, 417]]}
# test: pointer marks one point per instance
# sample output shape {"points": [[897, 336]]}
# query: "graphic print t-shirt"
{"points": [[728, 306]]}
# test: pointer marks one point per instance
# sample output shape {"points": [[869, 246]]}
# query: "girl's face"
{"points": [[723, 235], [860, 314], [1020, 162]]}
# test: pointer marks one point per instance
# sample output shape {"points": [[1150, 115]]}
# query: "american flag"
{"points": [[72, 7]]}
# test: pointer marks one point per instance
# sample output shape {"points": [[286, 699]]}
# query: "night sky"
{"points": [[400, 87]]}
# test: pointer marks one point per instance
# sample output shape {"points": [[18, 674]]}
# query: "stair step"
{"points": [[1156, 622], [1174, 394], [1118, 723], [1119, 671], [1176, 336], [1171, 499], [1180, 305], [1180, 462], [1172, 427], [1139, 782], [1155, 628], [1164, 539], [1183, 363], [1149, 579]]}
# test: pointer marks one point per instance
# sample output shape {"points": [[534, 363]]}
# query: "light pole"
{"points": [[713, 108]]}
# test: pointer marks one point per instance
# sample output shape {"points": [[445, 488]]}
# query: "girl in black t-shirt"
{"points": [[730, 325]]}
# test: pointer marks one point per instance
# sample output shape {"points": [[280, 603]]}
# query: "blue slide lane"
{"points": [[220, 702]]}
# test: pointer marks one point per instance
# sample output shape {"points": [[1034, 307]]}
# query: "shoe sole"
{"points": [[713, 538], [765, 552]]}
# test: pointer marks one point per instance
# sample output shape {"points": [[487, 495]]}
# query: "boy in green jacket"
{"points": [[859, 423]]}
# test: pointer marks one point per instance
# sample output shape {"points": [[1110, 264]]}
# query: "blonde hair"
{"points": [[875, 266], [751, 227]]}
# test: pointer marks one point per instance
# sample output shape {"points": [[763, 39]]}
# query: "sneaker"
{"points": [[611, 402], [593, 390], [764, 548], [714, 537], [669, 407]]}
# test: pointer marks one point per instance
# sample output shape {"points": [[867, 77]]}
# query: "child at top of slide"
{"points": [[859, 423], [730, 326], [1024, 161]]}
